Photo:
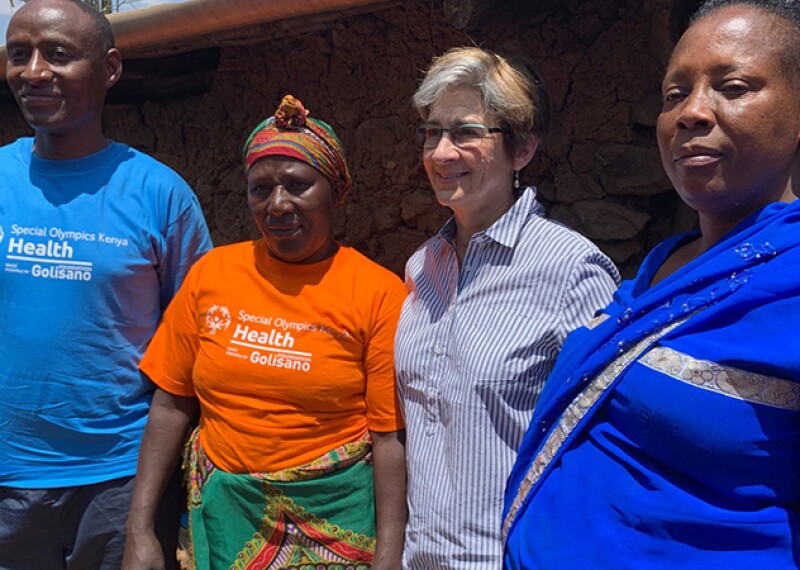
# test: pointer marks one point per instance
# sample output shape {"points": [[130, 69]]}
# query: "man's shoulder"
{"points": [[141, 160], [17, 148], [150, 174], [17, 143]]}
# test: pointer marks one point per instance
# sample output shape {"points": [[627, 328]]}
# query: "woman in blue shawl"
{"points": [[668, 435]]}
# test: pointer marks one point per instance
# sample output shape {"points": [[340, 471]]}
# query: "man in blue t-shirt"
{"points": [[95, 239]]}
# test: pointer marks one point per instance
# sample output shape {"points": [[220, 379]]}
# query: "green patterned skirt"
{"points": [[319, 516]]}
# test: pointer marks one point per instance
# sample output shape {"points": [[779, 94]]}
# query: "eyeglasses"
{"points": [[468, 135]]}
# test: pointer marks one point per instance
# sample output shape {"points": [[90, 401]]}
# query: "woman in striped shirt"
{"points": [[492, 297]]}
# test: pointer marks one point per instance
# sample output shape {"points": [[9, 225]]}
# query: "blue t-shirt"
{"points": [[91, 252]]}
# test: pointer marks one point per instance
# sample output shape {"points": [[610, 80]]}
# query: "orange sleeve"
{"points": [[383, 404], [169, 359]]}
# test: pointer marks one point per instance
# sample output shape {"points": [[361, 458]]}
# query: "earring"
{"points": [[516, 180]]}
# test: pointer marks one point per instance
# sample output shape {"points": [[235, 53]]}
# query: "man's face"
{"points": [[57, 67]]}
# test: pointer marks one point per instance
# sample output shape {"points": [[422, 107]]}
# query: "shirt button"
{"points": [[438, 350], [467, 267]]}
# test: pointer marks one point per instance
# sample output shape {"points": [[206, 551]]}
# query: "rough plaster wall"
{"points": [[599, 171], [357, 74]]}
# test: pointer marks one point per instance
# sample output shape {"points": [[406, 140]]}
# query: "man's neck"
{"points": [[59, 147]]}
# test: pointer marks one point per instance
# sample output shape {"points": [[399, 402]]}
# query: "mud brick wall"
{"points": [[599, 171]]}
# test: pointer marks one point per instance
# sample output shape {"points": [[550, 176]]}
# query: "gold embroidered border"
{"points": [[602, 317], [725, 380], [574, 413]]}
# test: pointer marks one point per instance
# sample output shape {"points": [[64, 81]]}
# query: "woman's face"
{"points": [[476, 183], [292, 204], [730, 125]]}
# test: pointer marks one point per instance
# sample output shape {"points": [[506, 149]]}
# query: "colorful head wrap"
{"points": [[292, 133]]}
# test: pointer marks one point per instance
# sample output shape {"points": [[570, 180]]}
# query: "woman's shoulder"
{"points": [[430, 249], [365, 286], [551, 246], [364, 270], [553, 234], [224, 255], [540, 232]]}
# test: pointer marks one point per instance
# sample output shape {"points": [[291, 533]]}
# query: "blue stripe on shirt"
{"points": [[473, 349]]}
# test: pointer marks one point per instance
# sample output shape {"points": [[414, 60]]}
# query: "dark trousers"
{"points": [[78, 528]]}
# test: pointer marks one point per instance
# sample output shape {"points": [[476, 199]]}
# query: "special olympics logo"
{"points": [[218, 318]]}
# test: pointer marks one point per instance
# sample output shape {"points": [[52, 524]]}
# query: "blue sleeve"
{"points": [[186, 240]]}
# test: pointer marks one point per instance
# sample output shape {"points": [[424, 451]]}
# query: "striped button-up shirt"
{"points": [[473, 349]]}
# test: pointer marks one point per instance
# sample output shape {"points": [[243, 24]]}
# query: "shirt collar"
{"points": [[507, 229]]}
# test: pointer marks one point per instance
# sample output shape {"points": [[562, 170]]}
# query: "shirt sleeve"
{"points": [[590, 288], [169, 359], [383, 404], [185, 242]]}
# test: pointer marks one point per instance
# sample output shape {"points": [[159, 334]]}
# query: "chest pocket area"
{"points": [[500, 344]]}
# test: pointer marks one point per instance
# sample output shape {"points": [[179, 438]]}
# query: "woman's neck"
{"points": [[461, 243], [468, 223]]}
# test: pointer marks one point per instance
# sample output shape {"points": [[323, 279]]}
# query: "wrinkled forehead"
{"points": [[457, 105]]}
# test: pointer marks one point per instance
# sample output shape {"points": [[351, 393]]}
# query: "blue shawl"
{"points": [[755, 266]]}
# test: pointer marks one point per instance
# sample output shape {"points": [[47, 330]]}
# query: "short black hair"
{"points": [[102, 27], [786, 10]]}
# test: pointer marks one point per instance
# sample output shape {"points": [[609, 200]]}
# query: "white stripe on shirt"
{"points": [[472, 351]]}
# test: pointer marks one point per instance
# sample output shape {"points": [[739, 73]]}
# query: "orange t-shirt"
{"points": [[287, 361]]}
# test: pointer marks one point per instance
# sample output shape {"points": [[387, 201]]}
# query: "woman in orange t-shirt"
{"points": [[285, 344]]}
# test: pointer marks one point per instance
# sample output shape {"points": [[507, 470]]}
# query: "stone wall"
{"points": [[599, 172]]}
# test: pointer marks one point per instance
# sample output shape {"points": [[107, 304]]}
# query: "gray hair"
{"points": [[512, 90]]}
